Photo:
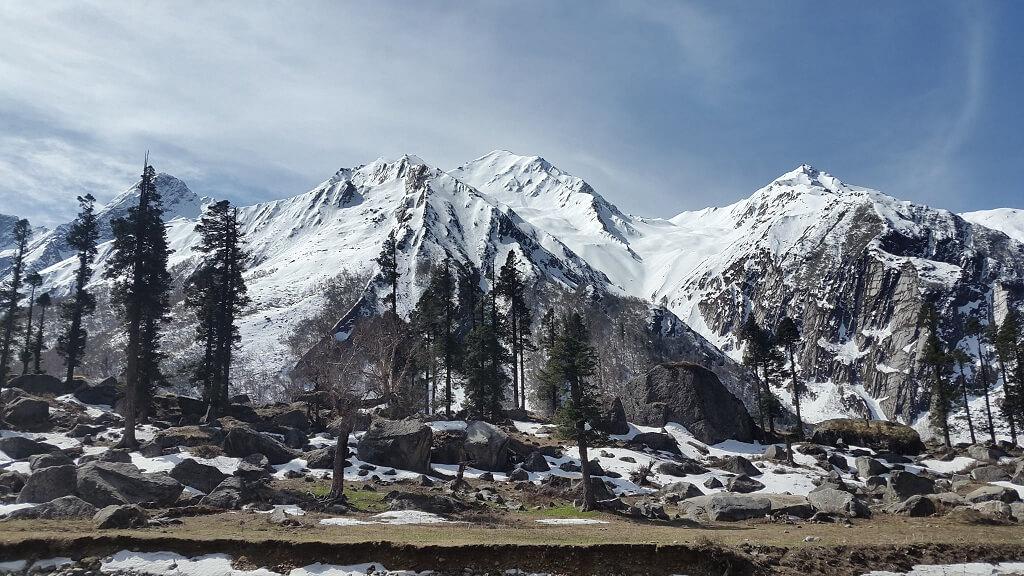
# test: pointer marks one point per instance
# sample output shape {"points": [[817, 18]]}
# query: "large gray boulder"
{"points": [[739, 465], [241, 441], [106, 483], [657, 441], [727, 507], [19, 447], [743, 484], [915, 507], [403, 444], [990, 474], [41, 384], [105, 393], [987, 493], [47, 484], [63, 508], [202, 477], [229, 494], [38, 461], [832, 501], [879, 435], [120, 516], [903, 485], [692, 396], [612, 417], [27, 412], [536, 462], [868, 466], [486, 446]]}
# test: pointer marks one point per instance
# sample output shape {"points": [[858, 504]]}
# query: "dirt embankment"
{"points": [[594, 559]]}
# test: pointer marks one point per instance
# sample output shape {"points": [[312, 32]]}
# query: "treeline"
{"points": [[955, 371], [141, 288]]}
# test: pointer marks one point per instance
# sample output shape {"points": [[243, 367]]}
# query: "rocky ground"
{"points": [[858, 496]]}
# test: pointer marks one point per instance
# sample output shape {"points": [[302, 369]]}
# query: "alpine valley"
{"points": [[851, 265]]}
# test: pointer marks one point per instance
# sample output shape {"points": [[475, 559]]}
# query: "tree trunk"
{"points": [[1006, 398], [27, 355], [589, 502], [796, 396], [967, 409], [131, 389], [340, 455], [39, 341], [985, 386]]}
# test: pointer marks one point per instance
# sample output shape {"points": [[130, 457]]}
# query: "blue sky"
{"points": [[661, 106]]}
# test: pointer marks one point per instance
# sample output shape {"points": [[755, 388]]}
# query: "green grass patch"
{"points": [[367, 500], [561, 510]]}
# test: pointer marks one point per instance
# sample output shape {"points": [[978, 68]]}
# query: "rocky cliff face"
{"points": [[854, 271]]}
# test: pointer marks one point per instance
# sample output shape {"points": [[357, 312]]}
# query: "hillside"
{"points": [[851, 265]]}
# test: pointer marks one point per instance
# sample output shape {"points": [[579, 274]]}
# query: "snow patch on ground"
{"points": [[972, 569], [393, 517], [568, 521]]}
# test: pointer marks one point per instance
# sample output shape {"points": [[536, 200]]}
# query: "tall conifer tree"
{"points": [[10, 296], [218, 293], [34, 280], [43, 302], [82, 236], [142, 285]]}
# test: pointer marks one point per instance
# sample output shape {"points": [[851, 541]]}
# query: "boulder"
{"points": [[229, 494], [189, 436], [916, 506], [656, 441], [242, 441], [1018, 475], [985, 453], [987, 493], [48, 484], [789, 505], [989, 474], [694, 397], [27, 412], [433, 503], [320, 459], [903, 485], [189, 406], [743, 484], [713, 483], [120, 516], [82, 430], [41, 384], [612, 417], [253, 468], [680, 469], [106, 483], [63, 508], [294, 418], [728, 507], [486, 446], [776, 452], [19, 447], [104, 394], [878, 435], [536, 462], [994, 509], [11, 481], [832, 501], [447, 447], [37, 461], [868, 466], [202, 477], [738, 465], [677, 491], [295, 438], [839, 461], [401, 444]]}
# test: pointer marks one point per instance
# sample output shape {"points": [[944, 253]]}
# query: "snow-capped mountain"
{"points": [[851, 265], [1009, 221]]}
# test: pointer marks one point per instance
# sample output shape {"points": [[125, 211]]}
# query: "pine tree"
{"points": [[435, 318], [938, 363], [218, 294], [512, 287], [982, 335], [43, 302], [1007, 353], [549, 389], [760, 355], [82, 236], [141, 289], [34, 280], [10, 296], [482, 364], [787, 335], [961, 358], [388, 262], [571, 363]]}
